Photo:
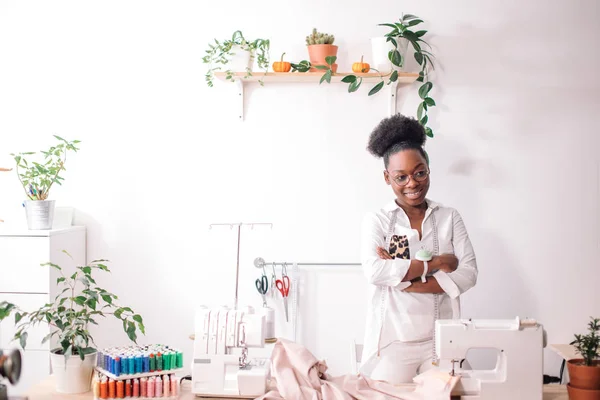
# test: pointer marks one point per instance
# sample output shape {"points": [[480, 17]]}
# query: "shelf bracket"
{"points": [[392, 100], [240, 88]]}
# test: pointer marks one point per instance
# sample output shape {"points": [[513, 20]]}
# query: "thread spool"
{"points": [[151, 387], [166, 386], [158, 386], [136, 388], [144, 387], [112, 389], [269, 315], [120, 389], [174, 386]]}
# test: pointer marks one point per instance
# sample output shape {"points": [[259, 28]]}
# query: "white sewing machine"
{"points": [[518, 373], [219, 369]]}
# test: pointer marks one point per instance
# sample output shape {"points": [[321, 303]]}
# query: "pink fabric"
{"points": [[300, 376]]}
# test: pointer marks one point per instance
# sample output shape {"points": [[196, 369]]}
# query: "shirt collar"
{"points": [[391, 206]]}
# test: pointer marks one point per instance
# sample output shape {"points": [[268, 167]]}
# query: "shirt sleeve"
{"points": [[377, 271], [465, 275]]}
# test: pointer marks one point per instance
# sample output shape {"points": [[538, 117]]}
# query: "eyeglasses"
{"points": [[402, 180]]}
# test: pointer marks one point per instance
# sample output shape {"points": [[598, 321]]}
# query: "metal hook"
{"points": [[284, 269]]}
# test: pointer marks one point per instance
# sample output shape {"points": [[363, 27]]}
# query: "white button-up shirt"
{"points": [[409, 316]]}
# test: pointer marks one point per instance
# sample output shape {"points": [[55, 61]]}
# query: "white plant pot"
{"points": [[74, 375], [380, 49], [241, 60], [40, 213]]}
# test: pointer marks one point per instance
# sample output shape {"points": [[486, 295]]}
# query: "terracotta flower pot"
{"points": [[582, 376], [582, 394], [318, 52]]}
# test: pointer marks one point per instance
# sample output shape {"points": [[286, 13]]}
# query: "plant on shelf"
{"points": [[584, 372], [238, 52], [79, 303], [404, 31], [320, 46], [282, 66], [38, 177]]}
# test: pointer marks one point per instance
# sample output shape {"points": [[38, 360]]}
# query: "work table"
{"points": [[45, 390]]}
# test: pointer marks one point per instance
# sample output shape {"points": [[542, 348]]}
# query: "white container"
{"points": [[380, 49], [74, 375], [240, 61], [40, 214]]}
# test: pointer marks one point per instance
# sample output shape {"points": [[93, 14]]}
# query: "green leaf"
{"points": [[23, 340], [330, 59], [18, 317], [428, 132], [430, 102], [322, 67], [419, 57], [395, 57], [51, 265], [424, 89], [407, 17], [353, 87], [59, 280], [91, 303], [421, 77], [118, 313], [80, 300], [394, 76], [107, 298], [415, 22], [87, 270], [376, 88], [349, 79], [424, 120], [326, 77], [47, 337], [138, 318], [420, 111], [131, 332], [388, 25], [420, 33]]}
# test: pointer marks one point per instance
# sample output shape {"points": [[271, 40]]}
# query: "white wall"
{"points": [[162, 155]]}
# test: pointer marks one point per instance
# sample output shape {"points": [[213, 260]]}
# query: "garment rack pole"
{"points": [[260, 263]]}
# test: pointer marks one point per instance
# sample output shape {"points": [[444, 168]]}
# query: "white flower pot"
{"points": [[40, 213], [74, 375], [240, 61], [380, 49]]}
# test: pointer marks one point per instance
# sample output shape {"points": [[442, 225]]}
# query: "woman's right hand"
{"points": [[445, 262], [384, 254]]}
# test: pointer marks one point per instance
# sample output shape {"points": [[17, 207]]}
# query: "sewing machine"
{"points": [[518, 373], [218, 367], [10, 368]]}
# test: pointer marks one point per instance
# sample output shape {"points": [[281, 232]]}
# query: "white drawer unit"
{"points": [[24, 282]]}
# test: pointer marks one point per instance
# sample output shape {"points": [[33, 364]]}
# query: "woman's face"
{"points": [[408, 174]]}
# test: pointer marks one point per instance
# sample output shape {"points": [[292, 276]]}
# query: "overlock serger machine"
{"points": [[221, 366], [518, 373]]}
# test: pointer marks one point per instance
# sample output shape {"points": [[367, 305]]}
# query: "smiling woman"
{"points": [[406, 294]]}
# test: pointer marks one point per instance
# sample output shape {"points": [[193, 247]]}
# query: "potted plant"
{"points": [[584, 373], [38, 177], [236, 55], [80, 302], [320, 46]]}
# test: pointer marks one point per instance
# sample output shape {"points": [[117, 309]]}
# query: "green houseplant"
{"points": [[584, 373], [38, 177], [236, 55], [80, 302]]}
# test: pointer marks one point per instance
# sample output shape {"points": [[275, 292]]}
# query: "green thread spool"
{"points": [[167, 361], [173, 360], [159, 362], [152, 363], [179, 359]]}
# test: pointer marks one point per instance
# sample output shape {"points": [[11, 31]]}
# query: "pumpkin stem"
{"points": [[361, 59], [282, 57]]}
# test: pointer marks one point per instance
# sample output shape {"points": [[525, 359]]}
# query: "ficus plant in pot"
{"points": [[584, 373], [79, 303], [236, 55], [38, 177]]}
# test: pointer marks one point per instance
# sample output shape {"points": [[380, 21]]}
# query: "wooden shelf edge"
{"points": [[284, 77]]}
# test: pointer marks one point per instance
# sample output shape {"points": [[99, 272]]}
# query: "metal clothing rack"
{"points": [[239, 235], [260, 263]]}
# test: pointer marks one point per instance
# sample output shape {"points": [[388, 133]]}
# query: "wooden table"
{"points": [[45, 390]]}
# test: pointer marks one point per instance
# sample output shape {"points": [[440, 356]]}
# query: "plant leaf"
{"points": [[18, 317], [330, 59], [420, 33], [420, 111], [430, 102], [349, 79], [376, 88], [323, 67], [395, 57], [394, 76], [428, 132], [424, 120], [415, 22], [424, 89], [419, 57], [23, 339]]}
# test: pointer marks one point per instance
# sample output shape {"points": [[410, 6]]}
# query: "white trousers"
{"points": [[400, 362]]}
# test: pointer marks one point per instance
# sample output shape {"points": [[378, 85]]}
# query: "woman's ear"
{"points": [[386, 176]]}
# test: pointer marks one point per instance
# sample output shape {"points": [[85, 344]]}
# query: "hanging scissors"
{"points": [[283, 285], [262, 285]]}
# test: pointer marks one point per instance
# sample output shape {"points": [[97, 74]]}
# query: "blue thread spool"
{"points": [[146, 363], [106, 365], [117, 369], [131, 360], [124, 364], [138, 364]]}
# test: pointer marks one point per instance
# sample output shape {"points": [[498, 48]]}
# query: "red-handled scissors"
{"points": [[283, 285]]}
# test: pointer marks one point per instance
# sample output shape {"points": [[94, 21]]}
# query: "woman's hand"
{"points": [[445, 262], [383, 254]]}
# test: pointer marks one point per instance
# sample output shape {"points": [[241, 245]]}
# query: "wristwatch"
{"points": [[424, 255]]}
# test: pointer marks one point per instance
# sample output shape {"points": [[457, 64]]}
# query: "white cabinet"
{"points": [[24, 282]]}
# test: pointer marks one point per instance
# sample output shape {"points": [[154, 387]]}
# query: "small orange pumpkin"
{"points": [[361, 67], [282, 66]]}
